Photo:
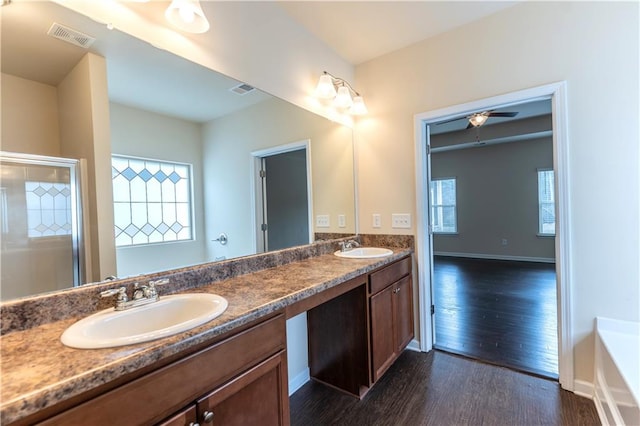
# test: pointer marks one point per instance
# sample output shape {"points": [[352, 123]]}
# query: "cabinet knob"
{"points": [[207, 416], [194, 424]]}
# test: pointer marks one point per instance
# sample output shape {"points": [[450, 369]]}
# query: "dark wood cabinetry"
{"points": [[355, 337], [391, 324], [232, 381]]}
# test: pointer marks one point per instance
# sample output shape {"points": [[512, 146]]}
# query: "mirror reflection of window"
{"points": [[48, 209], [152, 201]]}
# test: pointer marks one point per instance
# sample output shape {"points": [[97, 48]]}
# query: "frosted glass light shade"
{"points": [[187, 15], [478, 119], [343, 98], [358, 107], [325, 89]]}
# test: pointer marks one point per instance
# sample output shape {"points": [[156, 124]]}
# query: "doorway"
{"points": [[283, 196], [493, 228], [556, 93]]}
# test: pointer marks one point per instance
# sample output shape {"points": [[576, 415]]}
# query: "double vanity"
{"points": [[231, 369]]}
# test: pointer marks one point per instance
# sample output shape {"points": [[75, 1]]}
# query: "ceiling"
{"points": [[144, 77], [363, 30]]}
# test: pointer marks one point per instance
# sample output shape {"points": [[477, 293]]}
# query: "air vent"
{"points": [[70, 36], [242, 89]]}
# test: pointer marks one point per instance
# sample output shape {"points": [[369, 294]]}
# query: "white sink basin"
{"points": [[169, 315], [364, 253]]}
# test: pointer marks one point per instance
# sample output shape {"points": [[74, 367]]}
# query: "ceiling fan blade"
{"points": [[453, 119], [503, 114]]}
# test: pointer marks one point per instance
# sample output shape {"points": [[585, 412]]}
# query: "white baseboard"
{"points": [[414, 345], [583, 388], [496, 257], [298, 381]]}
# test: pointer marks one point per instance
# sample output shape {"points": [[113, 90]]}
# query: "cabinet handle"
{"points": [[194, 424], [207, 416]]}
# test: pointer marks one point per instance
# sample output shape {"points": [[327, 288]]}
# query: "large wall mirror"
{"points": [[173, 151]]}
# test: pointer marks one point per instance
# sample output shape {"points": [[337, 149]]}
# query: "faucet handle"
{"points": [[154, 283], [121, 292]]}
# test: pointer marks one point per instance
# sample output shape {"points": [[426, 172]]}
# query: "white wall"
{"points": [[29, 117], [228, 143], [83, 106], [497, 198], [139, 133], [594, 47], [255, 42]]}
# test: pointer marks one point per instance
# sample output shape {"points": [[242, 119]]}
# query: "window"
{"points": [[546, 203], [443, 206], [48, 208], [152, 201]]}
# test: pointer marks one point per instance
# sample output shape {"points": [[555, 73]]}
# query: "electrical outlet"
{"points": [[504, 242], [322, 221], [376, 220], [342, 221], [401, 220]]}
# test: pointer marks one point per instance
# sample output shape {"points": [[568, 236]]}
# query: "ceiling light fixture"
{"points": [[342, 99], [478, 119], [187, 15]]}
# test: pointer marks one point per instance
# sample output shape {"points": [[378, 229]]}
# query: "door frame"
{"points": [[256, 187], [557, 93]]}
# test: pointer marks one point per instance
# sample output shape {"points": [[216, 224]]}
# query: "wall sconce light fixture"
{"points": [[187, 15], [342, 99]]}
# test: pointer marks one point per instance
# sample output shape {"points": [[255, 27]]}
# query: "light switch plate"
{"points": [[401, 220], [342, 221], [376, 220], [322, 221]]}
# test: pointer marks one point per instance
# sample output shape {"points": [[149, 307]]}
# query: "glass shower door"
{"points": [[39, 224]]}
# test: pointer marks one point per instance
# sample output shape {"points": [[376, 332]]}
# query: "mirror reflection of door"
{"points": [[285, 200]]}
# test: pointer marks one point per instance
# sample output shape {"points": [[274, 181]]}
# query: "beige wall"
{"points": [[29, 117], [145, 134], [229, 142], [594, 47], [83, 105], [497, 197]]}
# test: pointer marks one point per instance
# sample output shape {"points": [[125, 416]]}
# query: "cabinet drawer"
{"points": [[389, 274], [153, 397]]}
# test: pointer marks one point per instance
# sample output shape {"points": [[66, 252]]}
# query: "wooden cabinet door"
{"points": [[186, 417], [257, 397], [382, 331], [403, 307]]}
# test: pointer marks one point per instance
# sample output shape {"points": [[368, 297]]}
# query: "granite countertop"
{"points": [[38, 371]]}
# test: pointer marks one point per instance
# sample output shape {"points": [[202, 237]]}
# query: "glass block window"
{"points": [[443, 206], [546, 203], [152, 201], [48, 209]]}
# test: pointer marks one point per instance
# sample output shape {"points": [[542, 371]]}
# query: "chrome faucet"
{"points": [[348, 245], [142, 295]]}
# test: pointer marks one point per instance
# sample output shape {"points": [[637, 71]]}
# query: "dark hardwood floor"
{"points": [[502, 312], [441, 389]]}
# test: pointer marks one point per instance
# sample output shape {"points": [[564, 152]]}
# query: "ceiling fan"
{"points": [[477, 119]]}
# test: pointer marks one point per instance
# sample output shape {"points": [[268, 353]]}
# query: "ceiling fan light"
{"points": [[358, 107], [187, 15], [478, 119], [325, 88], [343, 98]]}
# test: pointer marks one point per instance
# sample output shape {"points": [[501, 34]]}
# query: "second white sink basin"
{"points": [[169, 315], [364, 253]]}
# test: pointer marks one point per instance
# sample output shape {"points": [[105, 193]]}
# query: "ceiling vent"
{"points": [[70, 36], [242, 89]]}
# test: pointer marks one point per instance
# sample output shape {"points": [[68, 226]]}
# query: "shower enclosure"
{"points": [[40, 224]]}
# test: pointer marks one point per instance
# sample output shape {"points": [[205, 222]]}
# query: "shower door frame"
{"points": [[76, 206]]}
